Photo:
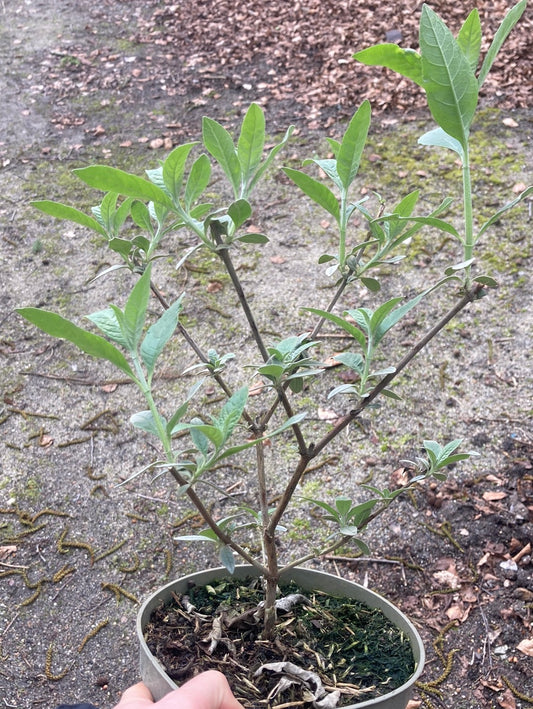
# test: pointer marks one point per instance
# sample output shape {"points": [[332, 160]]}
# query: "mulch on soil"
{"points": [[295, 58]]}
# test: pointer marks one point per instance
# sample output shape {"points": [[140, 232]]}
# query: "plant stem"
{"points": [[467, 298], [208, 519], [314, 450], [203, 358], [468, 214], [224, 254]]}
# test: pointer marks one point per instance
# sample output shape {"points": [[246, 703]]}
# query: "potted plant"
{"points": [[138, 218]]}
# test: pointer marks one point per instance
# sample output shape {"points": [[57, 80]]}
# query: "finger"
{"points": [[209, 690], [136, 697]]}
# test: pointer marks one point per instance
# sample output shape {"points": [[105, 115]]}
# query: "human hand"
{"points": [[209, 690]]}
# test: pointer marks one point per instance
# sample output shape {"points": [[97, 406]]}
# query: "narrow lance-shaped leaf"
{"points": [[505, 208], [448, 80], [352, 145], [251, 140], [174, 167], [108, 323], [318, 192], [509, 21], [219, 143], [198, 180], [111, 179], [269, 160], [71, 214], [158, 335], [94, 345], [403, 61], [469, 39], [135, 310]]}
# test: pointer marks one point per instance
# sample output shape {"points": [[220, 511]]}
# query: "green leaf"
{"points": [[159, 334], [486, 281], [351, 360], [135, 310], [403, 61], [231, 412], [292, 421], [505, 208], [63, 211], [120, 246], [253, 239], [329, 166], [200, 440], [391, 394], [469, 39], [251, 141], [318, 192], [87, 342], [396, 315], [382, 311], [239, 212], [509, 21], [440, 139], [405, 207], [198, 180], [174, 167], [107, 321], [212, 433], [141, 216], [269, 159], [372, 284], [449, 82], [352, 145], [219, 143], [426, 221], [110, 179], [348, 327], [458, 267], [182, 409], [226, 557], [145, 421]]}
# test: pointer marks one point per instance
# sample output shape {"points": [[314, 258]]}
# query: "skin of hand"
{"points": [[209, 690]]}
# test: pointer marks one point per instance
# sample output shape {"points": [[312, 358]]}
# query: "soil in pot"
{"points": [[341, 644]]}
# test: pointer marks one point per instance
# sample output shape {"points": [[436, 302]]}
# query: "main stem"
{"points": [[468, 213]]}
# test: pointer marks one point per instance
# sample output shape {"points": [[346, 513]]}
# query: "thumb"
{"points": [[136, 697]]}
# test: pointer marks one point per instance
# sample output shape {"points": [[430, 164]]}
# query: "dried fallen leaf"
{"points": [[45, 441], [493, 496], [331, 362], [327, 414], [256, 389], [526, 646], [7, 551], [507, 700]]}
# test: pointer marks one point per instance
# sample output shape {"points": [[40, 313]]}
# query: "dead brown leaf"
{"points": [[494, 496], [6, 551], [526, 647]]}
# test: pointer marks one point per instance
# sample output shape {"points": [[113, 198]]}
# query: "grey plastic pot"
{"points": [[154, 676]]}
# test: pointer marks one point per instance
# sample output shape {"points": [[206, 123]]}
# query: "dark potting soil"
{"points": [[340, 644]]}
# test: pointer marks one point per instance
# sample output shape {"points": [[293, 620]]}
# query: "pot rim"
{"points": [[372, 598]]}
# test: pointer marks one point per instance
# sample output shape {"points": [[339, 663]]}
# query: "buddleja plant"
{"points": [[172, 198]]}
